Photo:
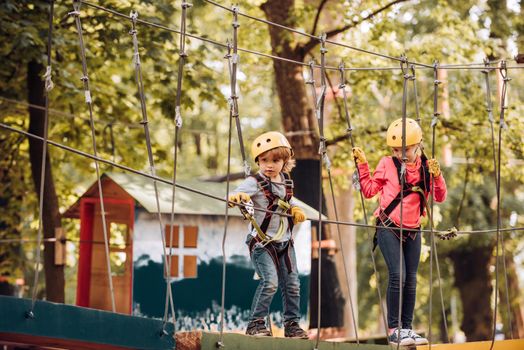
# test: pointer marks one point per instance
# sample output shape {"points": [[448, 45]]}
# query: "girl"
{"points": [[386, 181]]}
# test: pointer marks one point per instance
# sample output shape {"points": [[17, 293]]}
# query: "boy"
{"points": [[270, 241]]}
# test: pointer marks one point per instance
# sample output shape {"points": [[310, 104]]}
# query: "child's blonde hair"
{"points": [[283, 153]]}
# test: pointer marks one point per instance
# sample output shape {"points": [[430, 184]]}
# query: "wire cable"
{"points": [[88, 99], [48, 87]]}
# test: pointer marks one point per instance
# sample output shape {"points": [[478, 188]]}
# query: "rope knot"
{"points": [[449, 234], [186, 5]]}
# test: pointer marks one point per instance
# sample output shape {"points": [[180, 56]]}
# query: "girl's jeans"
{"points": [[390, 248], [271, 278]]}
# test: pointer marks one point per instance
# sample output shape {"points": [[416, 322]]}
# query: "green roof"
{"points": [[186, 201]]}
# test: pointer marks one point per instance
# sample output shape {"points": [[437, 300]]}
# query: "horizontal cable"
{"points": [[57, 112], [258, 53], [169, 182], [398, 59]]}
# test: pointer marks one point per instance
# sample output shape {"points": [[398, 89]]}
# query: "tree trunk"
{"points": [[348, 262], [54, 274], [517, 323], [301, 129], [473, 280]]}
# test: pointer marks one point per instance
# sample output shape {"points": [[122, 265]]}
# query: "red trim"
{"points": [[132, 235], [87, 212], [87, 207]]}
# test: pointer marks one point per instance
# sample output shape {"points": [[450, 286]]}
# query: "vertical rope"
{"points": [[489, 109], [233, 114], [349, 133], [327, 163], [407, 77], [433, 244], [502, 125], [233, 60], [322, 154], [48, 86], [145, 123], [178, 124], [89, 102]]}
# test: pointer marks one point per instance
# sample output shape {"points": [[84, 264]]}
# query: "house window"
{"points": [[181, 245], [118, 243]]}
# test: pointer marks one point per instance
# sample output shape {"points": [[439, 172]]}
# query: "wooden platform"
{"points": [[70, 327]]}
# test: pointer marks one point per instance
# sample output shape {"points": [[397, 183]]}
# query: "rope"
{"points": [[322, 155], [433, 251], [452, 231], [233, 113], [407, 77], [311, 36], [87, 93], [47, 89], [232, 63], [172, 30], [489, 109], [178, 124], [144, 122], [327, 163], [220, 343], [502, 125], [349, 133]]}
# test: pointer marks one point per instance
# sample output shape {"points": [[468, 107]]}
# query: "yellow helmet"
{"points": [[394, 134], [268, 141]]}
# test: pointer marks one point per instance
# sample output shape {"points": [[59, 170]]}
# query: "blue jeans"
{"points": [[271, 278], [390, 248]]}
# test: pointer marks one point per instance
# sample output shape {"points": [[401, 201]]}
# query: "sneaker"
{"points": [[419, 340], [404, 338], [293, 330], [258, 328]]}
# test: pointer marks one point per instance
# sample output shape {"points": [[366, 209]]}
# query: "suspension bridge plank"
{"points": [[74, 327], [233, 341]]}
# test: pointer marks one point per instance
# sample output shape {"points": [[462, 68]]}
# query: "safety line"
{"points": [[433, 243], [322, 156], [47, 89], [349, 134], [88, 99], [169, 182], [145, 122], [502, 125], [311, 36], [333, 68]]}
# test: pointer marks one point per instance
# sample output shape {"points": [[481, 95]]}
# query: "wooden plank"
{"points": [[516, 344], [234, 341], [76, 327]]}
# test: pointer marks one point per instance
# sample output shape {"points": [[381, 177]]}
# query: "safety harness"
{"points": [[274, 203], [421, 188]]}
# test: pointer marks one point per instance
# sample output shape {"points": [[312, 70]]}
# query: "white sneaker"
{"points": [[419, 340], [403, 339]]}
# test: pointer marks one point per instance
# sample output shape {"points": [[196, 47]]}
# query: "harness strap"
{"points": [[421, 187], [274, 202], [269, 246]]}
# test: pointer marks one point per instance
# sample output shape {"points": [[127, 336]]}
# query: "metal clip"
{"points": [[49, 85], [178, 117]]}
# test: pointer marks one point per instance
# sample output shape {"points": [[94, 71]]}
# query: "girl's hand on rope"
{"points": [[434, 167], [238, 198], [359, 155], [298, 215]]}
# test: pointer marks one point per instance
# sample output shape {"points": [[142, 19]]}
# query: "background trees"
{"points": [[448, 31]]}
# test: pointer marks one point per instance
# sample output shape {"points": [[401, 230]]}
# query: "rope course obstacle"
{"points": [[406, 67]]}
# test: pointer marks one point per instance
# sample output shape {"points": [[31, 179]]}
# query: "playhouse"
{"points": [[194, 250]]}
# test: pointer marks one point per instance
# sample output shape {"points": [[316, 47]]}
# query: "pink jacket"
{"points": [[385, 181]]}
